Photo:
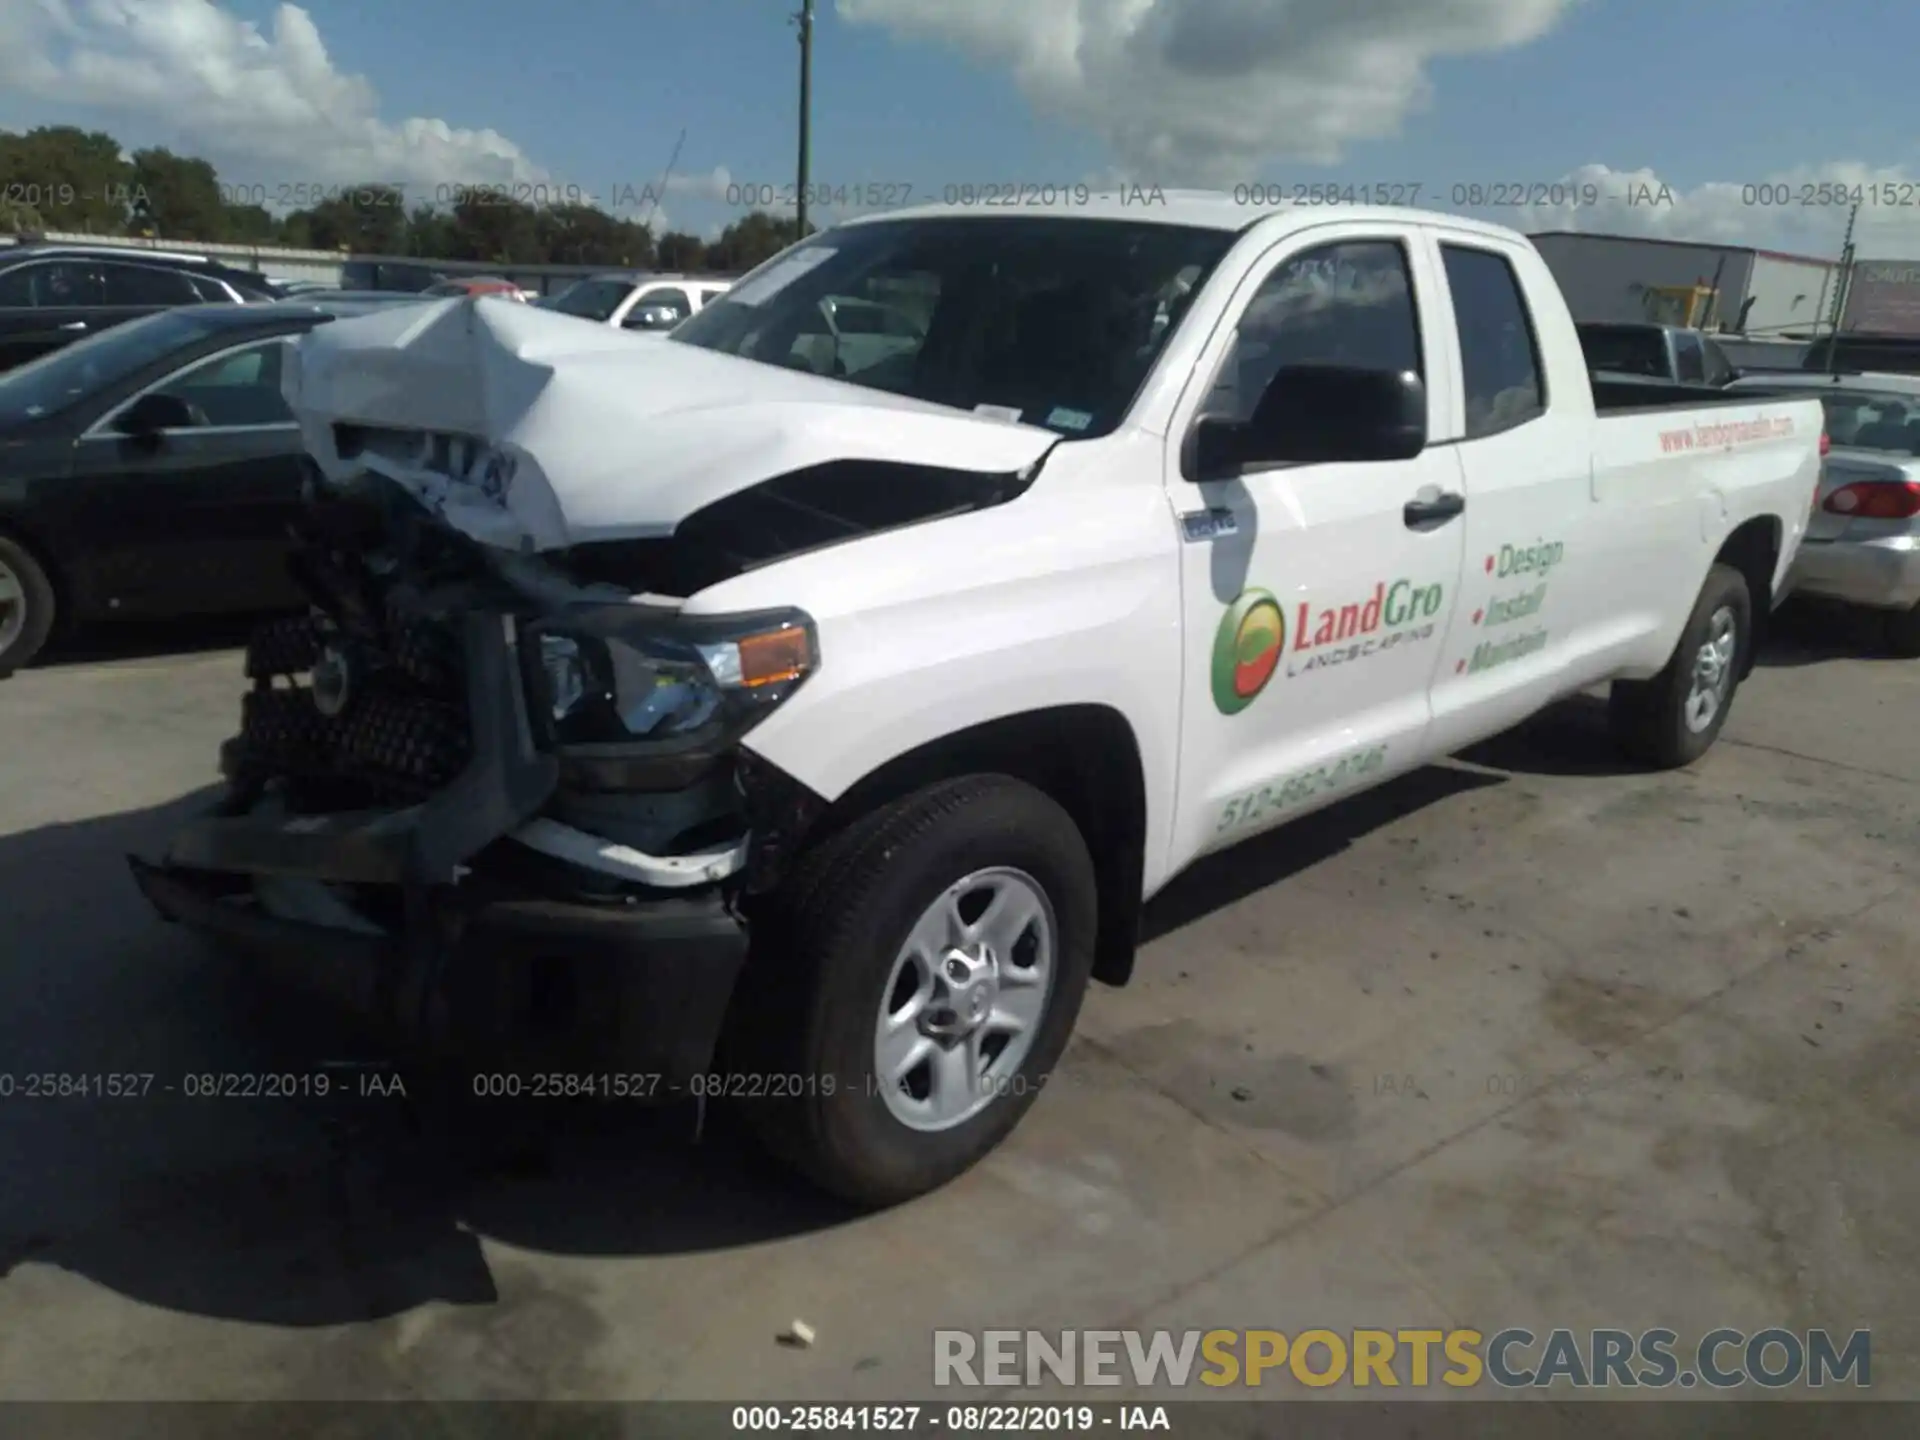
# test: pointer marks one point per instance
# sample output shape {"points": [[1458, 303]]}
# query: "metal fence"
{"points": [[353, 272], [277, 261]]}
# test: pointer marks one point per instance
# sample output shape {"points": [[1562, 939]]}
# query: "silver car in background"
{"points": [[1863, 543]]}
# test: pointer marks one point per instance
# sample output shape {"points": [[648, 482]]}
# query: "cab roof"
{"points": [[1194, 209]]}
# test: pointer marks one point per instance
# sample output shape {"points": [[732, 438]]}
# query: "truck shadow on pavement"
{"points": [[293, 1212], [146, 640], [360, 1207], [1231, 876], [1814, 632]]}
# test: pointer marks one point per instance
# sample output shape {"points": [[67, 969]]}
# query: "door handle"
{"points": [[1432, 508], [74, 325]]}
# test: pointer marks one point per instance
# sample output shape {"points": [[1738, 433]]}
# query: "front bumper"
{"points": [[1883, 573], [511, 962], [514, 980]]}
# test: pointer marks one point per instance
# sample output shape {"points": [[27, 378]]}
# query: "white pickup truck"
{"points": [[811, 741]]}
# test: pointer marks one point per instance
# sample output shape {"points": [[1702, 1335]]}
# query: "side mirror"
{"points": [[1319, 414], [152, 413]]}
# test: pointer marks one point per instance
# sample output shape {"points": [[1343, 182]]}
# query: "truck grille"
{"points": [[399, 734]]}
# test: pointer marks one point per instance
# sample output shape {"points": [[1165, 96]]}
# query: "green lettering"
{"points": [[1396, 608]]}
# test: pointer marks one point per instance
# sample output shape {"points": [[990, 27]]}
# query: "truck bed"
{"points": [[1617, 394]]}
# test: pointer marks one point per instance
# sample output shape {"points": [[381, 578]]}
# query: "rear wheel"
{"points": [[1674, 718], [924, 979], [26, 606], [1903, 632]]}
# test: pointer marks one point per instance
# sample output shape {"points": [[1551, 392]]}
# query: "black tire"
{"points": [[1903, 632], [36, 595], [1648, 717], [811, 996]]}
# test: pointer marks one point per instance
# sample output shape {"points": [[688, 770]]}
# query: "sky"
{"points": [[1715, 120]]}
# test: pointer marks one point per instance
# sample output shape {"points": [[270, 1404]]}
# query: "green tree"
{"points": [[431, 233], [177, 197], [588, 235], [18, 218], [751, 239], [366, 219], [496, 230], [75, 179], [253, 225], [679, 251]]}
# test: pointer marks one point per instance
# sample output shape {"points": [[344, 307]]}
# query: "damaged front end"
{"points": [[495, 805]]}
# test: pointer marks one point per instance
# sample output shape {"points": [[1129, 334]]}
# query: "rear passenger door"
{"points": [[47, 304], [1526, 616]]}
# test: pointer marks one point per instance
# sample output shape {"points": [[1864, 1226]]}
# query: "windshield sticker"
{"points": [[1065, 419], [780, 274], [1009, 413]]}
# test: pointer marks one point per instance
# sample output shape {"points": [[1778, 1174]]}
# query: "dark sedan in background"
{"points": [[54, 294], [151, 471]]}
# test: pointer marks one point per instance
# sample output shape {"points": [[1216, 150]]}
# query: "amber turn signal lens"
{"points": [[774, 656]]}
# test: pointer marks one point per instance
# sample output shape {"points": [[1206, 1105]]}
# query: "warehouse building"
{"points": [[1629, 277]]}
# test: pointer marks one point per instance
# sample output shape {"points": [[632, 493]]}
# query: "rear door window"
{"points": [[1499, 354], [52, 284], [147, 285]]}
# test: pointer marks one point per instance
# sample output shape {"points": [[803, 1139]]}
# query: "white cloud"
{"points": [[266, 107], [1206, 91], [1802, 210]]}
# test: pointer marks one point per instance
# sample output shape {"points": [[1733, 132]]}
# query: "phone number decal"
{"points": [[1244, 811]]}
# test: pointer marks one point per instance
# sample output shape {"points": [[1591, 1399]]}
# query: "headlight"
{"points": [[622, 673]]}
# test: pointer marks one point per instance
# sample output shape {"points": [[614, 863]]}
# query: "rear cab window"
{"points": [[1625, 349], [1689, 360], [1500, 366]]}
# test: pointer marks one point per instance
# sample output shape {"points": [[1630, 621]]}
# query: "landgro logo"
{"points": [[1246, 650]]}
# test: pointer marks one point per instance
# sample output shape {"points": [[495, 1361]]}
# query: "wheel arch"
{"points": [[1085, 756], [51, 564], [1753, 548]]}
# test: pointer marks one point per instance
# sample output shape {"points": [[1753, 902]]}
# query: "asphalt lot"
{"points": [[1529, 1039]]}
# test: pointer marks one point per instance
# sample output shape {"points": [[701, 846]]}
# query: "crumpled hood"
{"points": [[533, 430]]}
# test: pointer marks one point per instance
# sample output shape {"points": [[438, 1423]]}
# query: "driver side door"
{"points": [[193, 520], [1316, 602]]}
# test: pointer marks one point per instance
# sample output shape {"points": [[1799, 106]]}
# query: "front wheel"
{"points": [[929, 966], [26, 606], [1674, 718]]}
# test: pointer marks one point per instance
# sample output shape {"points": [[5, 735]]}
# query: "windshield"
{"points": [[1053, 322], [589, 299], [1628, 350], [65, 377], [1874, 420]]}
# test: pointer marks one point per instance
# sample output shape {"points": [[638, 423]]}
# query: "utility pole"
{"points": [[1845, 283], [805, 17]]}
